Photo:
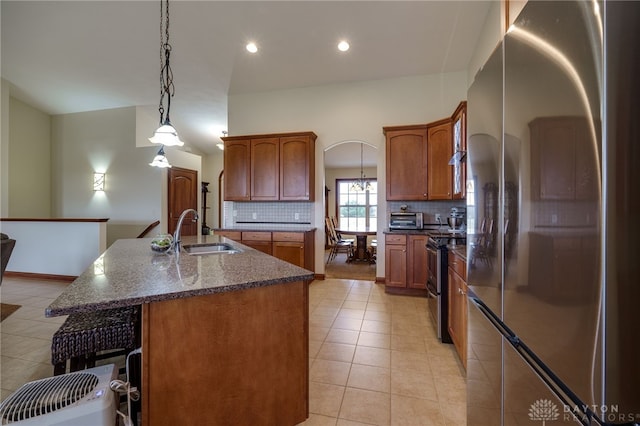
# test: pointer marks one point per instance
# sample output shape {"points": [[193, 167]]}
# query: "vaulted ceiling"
{"points": [[72, 56]]}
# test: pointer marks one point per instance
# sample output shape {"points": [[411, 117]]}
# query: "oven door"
{"points": [[433, 289]]}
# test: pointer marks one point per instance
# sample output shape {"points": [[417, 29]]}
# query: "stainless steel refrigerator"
{"points": [[553, 204]]}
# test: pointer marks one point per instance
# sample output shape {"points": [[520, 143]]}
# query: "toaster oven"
{"points": [[406, 220]]}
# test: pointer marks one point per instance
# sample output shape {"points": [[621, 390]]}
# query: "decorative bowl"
{"points": [[161, 243]]}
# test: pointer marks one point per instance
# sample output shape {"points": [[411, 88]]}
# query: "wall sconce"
{"points": [[98, 181]]}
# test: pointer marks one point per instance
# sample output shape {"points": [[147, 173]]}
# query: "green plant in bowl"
{"points": [[161, 243]]}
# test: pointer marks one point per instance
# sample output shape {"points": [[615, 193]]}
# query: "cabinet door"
{"points": [[395, 257], [439, 152], [264, 169], [406, 164], [237, 162], [417, 261], [263, 246], [292, 252], [458, 314], [459, 130], [297, 168]]}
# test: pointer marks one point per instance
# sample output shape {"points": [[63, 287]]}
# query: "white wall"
{"points": [[4, 149], [350, 111], [103, 141], [29, 177]]}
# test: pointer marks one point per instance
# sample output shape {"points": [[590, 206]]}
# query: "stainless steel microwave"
{"points": [[406, 220]]}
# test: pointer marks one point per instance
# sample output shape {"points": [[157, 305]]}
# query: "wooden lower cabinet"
{"points": [[296, 247], [457, 319], [258, 240], [395, 260], [405, 263], [236, 358]]}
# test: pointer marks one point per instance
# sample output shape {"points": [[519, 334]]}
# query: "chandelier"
{"points": [[361, 184], [166, 134]]}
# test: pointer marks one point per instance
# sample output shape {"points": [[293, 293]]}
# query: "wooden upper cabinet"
{"points": [[297, 167], [265, 160], [406, 151], [459, 140], [237, 165], [270, 167], [563, 162], [439, 152]]}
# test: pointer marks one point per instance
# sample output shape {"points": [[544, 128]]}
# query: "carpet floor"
{"points": [[339, 268]]}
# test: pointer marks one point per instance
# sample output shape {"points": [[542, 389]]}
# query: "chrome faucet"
{"points": [[176, 234]]}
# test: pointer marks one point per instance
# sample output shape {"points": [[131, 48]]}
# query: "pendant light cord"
{"points": [[166, 74]]}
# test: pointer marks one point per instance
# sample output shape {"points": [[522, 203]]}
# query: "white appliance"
{"points": [[80, 398]]}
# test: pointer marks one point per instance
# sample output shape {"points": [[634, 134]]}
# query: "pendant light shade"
{"points": [[166, 134], [160, 160]]}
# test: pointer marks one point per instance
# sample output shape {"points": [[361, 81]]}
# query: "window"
{"points": [[356, 209]]}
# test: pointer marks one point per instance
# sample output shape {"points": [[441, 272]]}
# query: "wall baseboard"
{"points": [[34, 276]]}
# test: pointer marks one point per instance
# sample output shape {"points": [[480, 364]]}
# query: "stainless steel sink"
{"points": [[210, 248]]}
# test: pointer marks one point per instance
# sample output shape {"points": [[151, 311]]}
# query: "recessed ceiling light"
{"points": [[343, 46], [251, 47]]}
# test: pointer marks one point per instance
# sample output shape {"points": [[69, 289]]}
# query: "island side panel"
{"points": [[238, 358]]}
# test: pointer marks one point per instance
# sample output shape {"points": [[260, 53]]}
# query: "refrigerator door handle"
{"points": [[585, 416]]}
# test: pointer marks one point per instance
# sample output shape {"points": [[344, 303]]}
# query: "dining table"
{"points": [[361, 253]]}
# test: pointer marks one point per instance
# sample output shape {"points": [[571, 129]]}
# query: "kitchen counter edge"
{"points": [[129, 273]]}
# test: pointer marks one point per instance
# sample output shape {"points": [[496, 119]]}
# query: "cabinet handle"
{"points": [[461, 292]]}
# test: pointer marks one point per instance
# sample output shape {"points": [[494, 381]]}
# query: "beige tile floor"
{"points": [[373, 358]]}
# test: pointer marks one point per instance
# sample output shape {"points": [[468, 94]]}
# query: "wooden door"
{"points": [[183, 194], [439, 148]]}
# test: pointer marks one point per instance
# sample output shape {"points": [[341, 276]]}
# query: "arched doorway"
{"points": [[345, 163]]}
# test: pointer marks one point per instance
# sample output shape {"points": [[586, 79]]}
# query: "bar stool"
{"points": [[89, 336]]}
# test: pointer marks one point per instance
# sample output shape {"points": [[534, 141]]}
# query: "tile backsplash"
{"points": [[276, 212]]}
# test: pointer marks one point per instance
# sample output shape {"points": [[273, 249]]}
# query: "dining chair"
{"points": [[337, 245]]}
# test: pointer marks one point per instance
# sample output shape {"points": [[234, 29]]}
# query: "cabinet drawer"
{"points": [[297, 237], [458, 264], [256, 236], [232, 235], [395, 239]]}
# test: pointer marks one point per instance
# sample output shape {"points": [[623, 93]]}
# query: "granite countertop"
{"points": [[283, 227], [130, 273]]}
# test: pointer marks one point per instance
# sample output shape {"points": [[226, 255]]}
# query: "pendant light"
{"points": [[362, 184], [160, 160], [165, 134]]}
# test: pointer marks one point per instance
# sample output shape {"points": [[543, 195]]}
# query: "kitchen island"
{"points": [[224, 336]]}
